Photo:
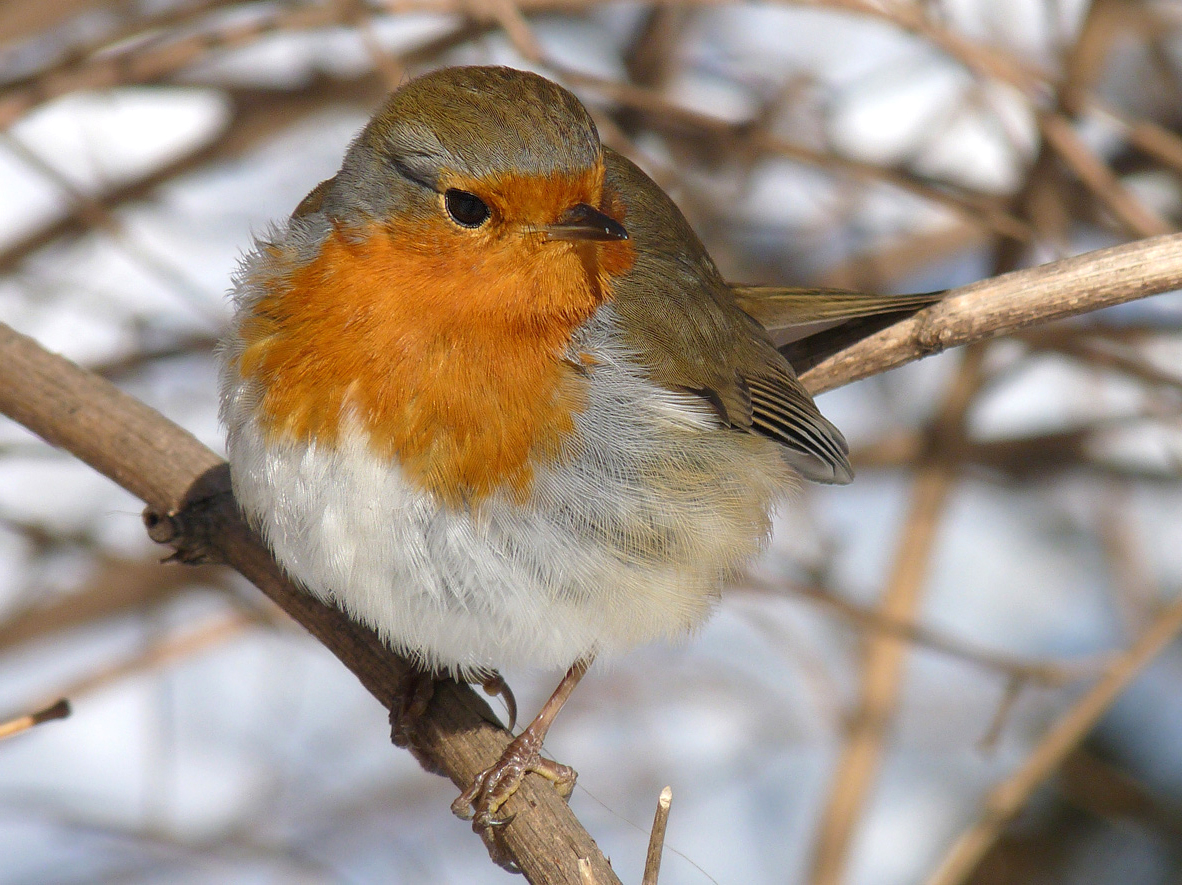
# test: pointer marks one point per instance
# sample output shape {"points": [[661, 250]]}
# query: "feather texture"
{"points": [[684, 324]]}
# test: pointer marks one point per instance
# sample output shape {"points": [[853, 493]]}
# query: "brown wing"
{"points": [[782, 409], [682, 321]]}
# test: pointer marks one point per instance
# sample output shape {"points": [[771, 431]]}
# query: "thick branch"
{"points": [[185, 484]]}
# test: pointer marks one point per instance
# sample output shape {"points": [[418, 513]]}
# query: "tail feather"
{"points": [[778, 308]]}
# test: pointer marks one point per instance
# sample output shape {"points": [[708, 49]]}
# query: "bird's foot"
{"points": [[414, 693], [492, 788], [481, 802], [410, 701]]}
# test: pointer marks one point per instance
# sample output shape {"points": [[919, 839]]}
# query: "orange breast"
{"points": [[445, 348]]}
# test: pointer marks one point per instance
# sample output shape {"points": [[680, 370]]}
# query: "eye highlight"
{"points": [[465, 209]]}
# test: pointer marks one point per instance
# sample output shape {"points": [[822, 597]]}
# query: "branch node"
{"points": [[190, 528], [930, 337], [162, 528]]}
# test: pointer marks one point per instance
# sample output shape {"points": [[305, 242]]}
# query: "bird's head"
{"points": [[491, 181]]}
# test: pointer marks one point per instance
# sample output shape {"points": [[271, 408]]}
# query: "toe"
{"points": [[410, 702]]}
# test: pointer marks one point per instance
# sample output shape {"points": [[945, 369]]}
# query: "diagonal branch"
{"points": [[185, 487], [1009, 797], [885, 657]]}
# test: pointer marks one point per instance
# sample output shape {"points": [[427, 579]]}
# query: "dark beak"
{"points": [[582, 223]]}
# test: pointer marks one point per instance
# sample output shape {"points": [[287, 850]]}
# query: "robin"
{"points": [[486, 392]]}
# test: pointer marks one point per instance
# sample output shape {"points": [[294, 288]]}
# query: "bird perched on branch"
{"points": [[486, 391]]}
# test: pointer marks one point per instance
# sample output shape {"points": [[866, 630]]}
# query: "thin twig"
{"points": [[1005, 707], [115, 587], [139, 64], [1047, 673], [1094, 351], [162, 653], [1102, 181], [883, 662], [1133, 586], [57, 710], [656, 839], [154, 262], [1007, 798], [974, 208], [1006, 303]]}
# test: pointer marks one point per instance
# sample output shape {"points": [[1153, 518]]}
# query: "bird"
{"points": [[486, 392]]}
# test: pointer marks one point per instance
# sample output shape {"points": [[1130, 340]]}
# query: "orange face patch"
{"points": [[445, 344]]}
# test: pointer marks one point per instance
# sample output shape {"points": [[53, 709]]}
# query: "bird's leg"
{"points": [[495, 785]]}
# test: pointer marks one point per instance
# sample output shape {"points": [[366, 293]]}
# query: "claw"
{"points": [[494, 685]]}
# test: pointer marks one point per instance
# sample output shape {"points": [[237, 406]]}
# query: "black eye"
{"points": [[466, 209]]}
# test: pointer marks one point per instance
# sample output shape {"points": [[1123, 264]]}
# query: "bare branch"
{"points": [[58, 710], [1016, 669], [1009, 302], [1007, 798], [185, 486], [1101, 180], [656, 842], [116, 587], [885, 655]]}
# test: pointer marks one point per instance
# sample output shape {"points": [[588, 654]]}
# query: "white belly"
{"points": [[626, 539]]}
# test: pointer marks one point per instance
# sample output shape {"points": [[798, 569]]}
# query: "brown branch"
{"points": [[57, 710], [882, 267], [656, 841], [886, 655], [1108, 792], [129, 26], [982, 60], [185, 486], [159, 655], [1094, 352], [1007, 798], [1036, 457], [1006, 303], [256, 114], [1134, 589], [976, 208], [1017, 669], [22, 19], [116, 587], [139, 63], [1094, 173]]}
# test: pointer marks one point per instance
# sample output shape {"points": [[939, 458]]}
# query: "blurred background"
{"points": [[984, 622]]}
